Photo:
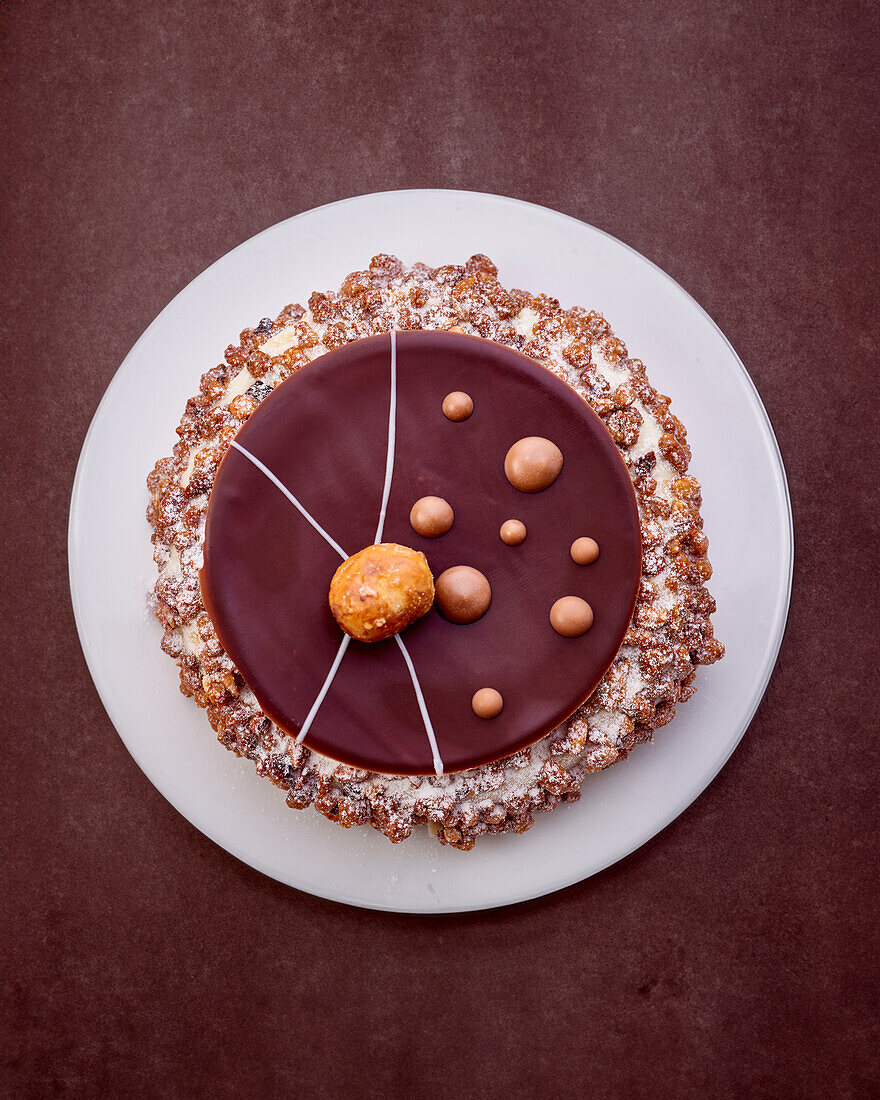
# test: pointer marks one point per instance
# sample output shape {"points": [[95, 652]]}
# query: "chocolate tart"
{"points": [[324, 435], [467, 727]]}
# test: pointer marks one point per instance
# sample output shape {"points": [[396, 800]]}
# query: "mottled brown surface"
{"points": [[732, 144]]}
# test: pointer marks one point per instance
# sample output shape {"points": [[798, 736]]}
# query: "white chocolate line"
{"points": [[392, 431], [306, 515], [386, 492], [331, 675], [426, 718]]}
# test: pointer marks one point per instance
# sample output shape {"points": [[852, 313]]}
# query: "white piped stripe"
{"points": [[331, 676], [420, 699], [278, 485], [392, 432], [386, 492]]}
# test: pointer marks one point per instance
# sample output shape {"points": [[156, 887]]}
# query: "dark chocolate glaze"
{"points": [[323, 433]]}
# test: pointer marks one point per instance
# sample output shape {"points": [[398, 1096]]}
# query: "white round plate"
{"points": [[111, 570]]}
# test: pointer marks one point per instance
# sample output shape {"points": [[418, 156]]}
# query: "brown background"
{"points": [[729, 142]]}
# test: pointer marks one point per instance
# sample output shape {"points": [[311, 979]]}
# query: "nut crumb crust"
{"points": [[670, 634]]}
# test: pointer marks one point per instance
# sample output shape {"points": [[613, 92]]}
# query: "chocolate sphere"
{"points": [[513, 532], [533, 464], [458, 405], [584, 551], [571, 616], [431, 517], [463, 594], [487, 703]]}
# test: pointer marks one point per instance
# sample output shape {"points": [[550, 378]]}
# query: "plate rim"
{"points": [[702, 783]]}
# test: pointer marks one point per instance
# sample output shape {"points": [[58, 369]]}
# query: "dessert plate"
{"points": [[735, 455]]}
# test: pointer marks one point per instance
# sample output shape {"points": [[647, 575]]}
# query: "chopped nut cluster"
{"points": [[670, 633]]}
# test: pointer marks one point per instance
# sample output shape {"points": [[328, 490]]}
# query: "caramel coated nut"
{"points": [[380, 591]]}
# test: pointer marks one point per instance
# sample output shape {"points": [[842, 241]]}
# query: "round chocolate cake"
{"points": [[429, 552], [267, 569]]}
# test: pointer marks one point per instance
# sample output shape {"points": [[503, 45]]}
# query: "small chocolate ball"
{"points": [[380, 591], [584, 551], [533, 464], [463, 594], [571, 616], [487, 703], [513, 532], [458, 405], [431, 517]]}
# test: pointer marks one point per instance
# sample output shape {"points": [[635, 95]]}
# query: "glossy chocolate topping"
{"points": [[323, 433]]}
